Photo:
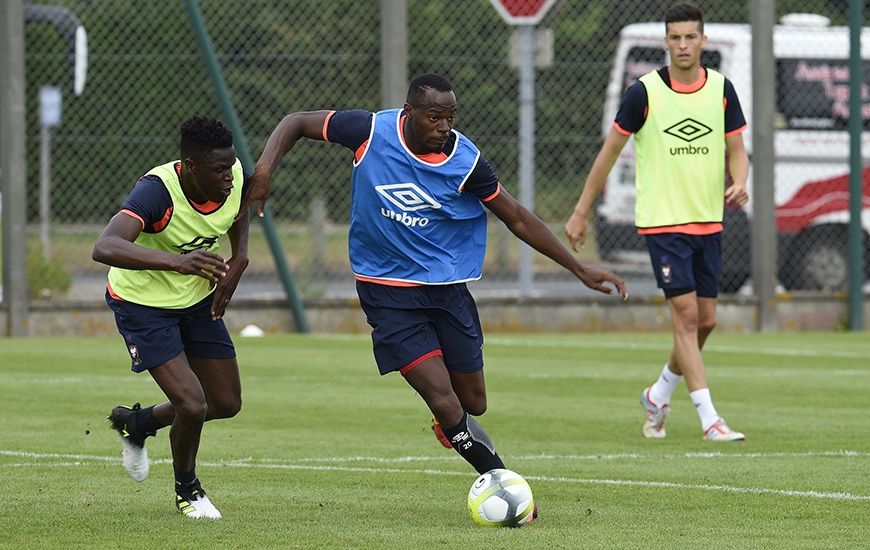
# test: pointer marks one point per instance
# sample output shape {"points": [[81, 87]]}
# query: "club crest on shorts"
{"points": [[134, 353], [667, 274]]}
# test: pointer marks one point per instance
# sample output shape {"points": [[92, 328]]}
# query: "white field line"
{"points": [[72, 460], [520, 342], [665, 347], [78, 379]]}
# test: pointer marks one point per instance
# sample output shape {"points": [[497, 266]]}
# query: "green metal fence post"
{"points": [[856, 193]]}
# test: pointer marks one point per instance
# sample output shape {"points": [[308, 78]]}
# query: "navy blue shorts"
{"points": [[685, 263], [154, 335], [413, 323]]}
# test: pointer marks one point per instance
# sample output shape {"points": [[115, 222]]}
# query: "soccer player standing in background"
{"points": [[680, 201], [169, 287], [417, 235]]}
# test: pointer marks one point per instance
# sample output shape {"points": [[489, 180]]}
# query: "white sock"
{"points": [[704, 406], [660, 393]]}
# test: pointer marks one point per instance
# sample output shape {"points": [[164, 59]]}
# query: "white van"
{"points": [[811, 144]]}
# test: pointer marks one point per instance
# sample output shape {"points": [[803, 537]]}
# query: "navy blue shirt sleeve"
{"points": [[350, 128], [482, 182], [734, 119], [632, 111], [150, 201]]}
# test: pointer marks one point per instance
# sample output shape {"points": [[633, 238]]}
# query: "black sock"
{"points": [[145, 423], [471, 442], [185, 479]]}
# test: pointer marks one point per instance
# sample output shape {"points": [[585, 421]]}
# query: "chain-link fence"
{"points": [[146, 75]]}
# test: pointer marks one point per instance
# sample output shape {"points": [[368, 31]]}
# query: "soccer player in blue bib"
{"points": [[417, 236], [680, 180], [169, 287]]}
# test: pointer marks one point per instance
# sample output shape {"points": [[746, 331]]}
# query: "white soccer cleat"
{"points": [[721, 432], [135, 460], [195, 504], [654, 427], [134, 454]]}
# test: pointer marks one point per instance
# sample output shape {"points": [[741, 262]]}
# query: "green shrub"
{"points": [[46, 278]]}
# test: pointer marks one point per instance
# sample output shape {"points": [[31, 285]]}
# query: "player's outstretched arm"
{"points": [[116, 247], [530, 229], [576, 226], [291, 129]]}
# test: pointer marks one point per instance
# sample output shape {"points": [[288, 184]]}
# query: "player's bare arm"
{"points": [[576, 226], [291, 129], [238, 236], [116, 247], [738, 166], [531, 230]]}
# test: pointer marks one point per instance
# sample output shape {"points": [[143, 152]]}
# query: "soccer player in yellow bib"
{"points": [[680, 180], [169, 286]]}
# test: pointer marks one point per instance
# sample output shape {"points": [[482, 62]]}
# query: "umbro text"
{"points": [[410, 221], [690, 150]]}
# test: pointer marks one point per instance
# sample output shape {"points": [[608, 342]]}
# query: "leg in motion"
{"points": [[690, 333], [433, 382], [182, 386]]}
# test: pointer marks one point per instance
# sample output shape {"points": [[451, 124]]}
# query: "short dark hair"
{"points": [[684, 12], [202, 134], [419, 85]]}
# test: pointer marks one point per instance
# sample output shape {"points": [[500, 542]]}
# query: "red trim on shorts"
{"points": [[685, 229], [434, 353]]}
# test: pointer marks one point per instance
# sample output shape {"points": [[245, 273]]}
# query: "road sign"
{"points": [[49, 105], [544, 40], [523, 12]]}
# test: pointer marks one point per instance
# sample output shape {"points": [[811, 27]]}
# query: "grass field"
{"points": [[327, 454]]}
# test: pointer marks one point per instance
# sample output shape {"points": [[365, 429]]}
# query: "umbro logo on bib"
{"points": [[689, 130], [407, 197], [199, 243]]}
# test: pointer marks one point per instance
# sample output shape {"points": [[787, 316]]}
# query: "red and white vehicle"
{"points": [[811, 143]]}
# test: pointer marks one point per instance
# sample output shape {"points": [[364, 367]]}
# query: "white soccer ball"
{"points": [[501, 498]]}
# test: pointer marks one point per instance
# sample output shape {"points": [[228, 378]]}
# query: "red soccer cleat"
{"points": [[439, 433]]}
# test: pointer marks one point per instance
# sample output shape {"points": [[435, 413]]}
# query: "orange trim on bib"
{"points": [[112, 292], [384, 282], [686, 229]]}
